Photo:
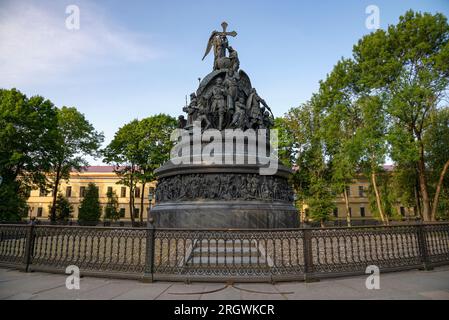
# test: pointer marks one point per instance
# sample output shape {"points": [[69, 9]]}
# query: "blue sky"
{"points": [[131, 59]]}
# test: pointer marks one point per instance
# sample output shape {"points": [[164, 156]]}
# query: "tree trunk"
{"points": [[438, 191], [55, 194], [379, 203], [131, 197], [423, 186], [142, 197], [418, 199], [348, 213]]}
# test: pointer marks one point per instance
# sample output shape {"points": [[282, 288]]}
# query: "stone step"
{"points": [[228, 243], [226, 260], [228, 251]]}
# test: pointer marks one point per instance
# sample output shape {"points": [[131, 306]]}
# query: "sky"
{"points": [[132, 59]]}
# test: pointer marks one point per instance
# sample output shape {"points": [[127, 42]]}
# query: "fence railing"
{"points": [[223, 255]]}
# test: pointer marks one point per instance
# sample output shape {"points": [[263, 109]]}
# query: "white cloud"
{"points": [[36, 46]]}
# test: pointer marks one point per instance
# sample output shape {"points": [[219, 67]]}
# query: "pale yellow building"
{"points": [[105, 179], [359, 205]]}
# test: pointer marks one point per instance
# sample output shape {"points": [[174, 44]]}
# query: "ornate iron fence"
{"points": [[223, 255]]}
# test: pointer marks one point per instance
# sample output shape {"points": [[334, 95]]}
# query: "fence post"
{"points": [[308, 256], [29, 244], [149, 254], [422, 245]]}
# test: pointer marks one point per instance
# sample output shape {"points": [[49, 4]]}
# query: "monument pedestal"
{"points": [[223, 196]]}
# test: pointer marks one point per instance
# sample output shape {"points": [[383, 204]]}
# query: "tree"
{"points": [[90, 210], [341, 117], [63, 208], [111, 211], [437, 140], [409, 65], [154, 148], [138, 148], [320, 201], [302, 148], [286, 142], [371, 144], [123, 153], [28, 128], [76, 138]]}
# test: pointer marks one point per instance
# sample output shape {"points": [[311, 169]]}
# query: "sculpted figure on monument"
{"points": [[223, 187], [235, 62], [203, 113], [218, 101], [231, 85], [181, 122], [191, 109], [254, 109], [238, 119], [219, 41]]}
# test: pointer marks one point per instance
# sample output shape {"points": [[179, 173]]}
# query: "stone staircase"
{"points": [[226, 253]]}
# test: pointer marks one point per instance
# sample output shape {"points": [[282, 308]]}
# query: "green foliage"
{"points": [[28, 128], [286, 143], [301, 147], [63, 208], [384, 101], [76, 138], [387, 195], [90, 210], [437, 140], [111, 211], [138, 148], [321, 200], [13, 205], [408, 66]]}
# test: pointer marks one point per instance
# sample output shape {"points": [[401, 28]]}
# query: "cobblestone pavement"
{"points": [[399, 285]]}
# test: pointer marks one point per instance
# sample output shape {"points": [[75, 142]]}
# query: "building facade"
{"points": [[105, 179], [359, 203]]}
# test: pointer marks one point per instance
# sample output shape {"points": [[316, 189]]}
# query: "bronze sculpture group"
{"points": [[225, 98], [235, 180]]}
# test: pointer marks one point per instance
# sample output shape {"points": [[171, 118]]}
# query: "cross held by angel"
{"points": [[219, 41]]}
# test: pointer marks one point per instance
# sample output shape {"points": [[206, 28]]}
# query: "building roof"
{"points": [[98, 169]]}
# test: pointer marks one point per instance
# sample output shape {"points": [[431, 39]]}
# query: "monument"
{"points": [[223, 171]]}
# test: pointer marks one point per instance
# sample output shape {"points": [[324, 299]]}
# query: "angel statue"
{"points": [[219, 40]]}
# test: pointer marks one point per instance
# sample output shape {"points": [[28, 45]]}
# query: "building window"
{"points": [[39, 212], [362, 211], [122, 212], [42, 192], [68, 192], [350, 211], [137, 192], [136, 212], [336, 212], [361, 191], [348, 190], [109, 190], [402, 209], [123, 192], [82, 191]]}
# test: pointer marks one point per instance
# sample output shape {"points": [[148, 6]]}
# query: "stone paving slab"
{"points": [[398, 285]]}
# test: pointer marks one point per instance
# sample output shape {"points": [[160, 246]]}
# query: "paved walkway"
{"points": [[400, 285]]}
